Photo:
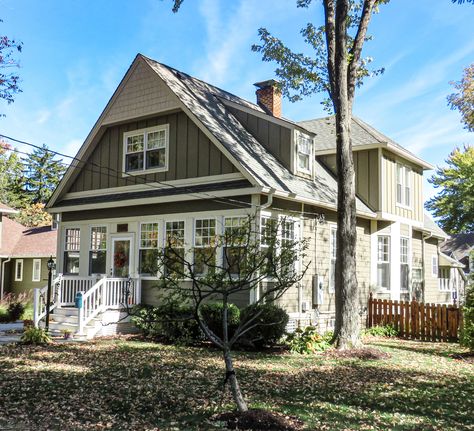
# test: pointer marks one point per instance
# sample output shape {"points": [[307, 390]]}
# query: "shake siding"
{"points": [[191, 154], [144, 94], [389, 184]]}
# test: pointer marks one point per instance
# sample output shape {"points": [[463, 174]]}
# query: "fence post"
{"points": [[369, 316], [36, 306]]}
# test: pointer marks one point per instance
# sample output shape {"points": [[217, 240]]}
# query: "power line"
{"points": [[234, 202]]}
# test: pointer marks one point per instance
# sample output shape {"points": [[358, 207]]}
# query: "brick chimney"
{"points": [[269, 97]]}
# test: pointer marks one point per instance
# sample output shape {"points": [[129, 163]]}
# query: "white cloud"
{"points": [[43, 116]]}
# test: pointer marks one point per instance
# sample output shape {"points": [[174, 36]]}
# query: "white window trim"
{"points": [[19, 261], [90, 247], [297, 152], [38, 278], [408, 262], [145, 131], [216, 229], [389, 262], [404, 186], [434, 266]]}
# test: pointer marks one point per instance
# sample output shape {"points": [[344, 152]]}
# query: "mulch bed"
{"points": [[259, 420], [364, 353]]}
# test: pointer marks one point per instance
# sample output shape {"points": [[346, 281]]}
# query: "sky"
{"points": [[76, 52]]}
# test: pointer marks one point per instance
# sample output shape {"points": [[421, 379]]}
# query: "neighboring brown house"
{"points": [[24, 253], [173, 155]]}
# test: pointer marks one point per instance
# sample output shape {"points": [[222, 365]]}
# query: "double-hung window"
{"points": [[204, 245], [404, 266], [174, 248], [304, 145], [444, 279], [36, 273], [98, 250], [383, 261], [268, 242], [19, 270], [146, 149], [403, 185], [148, 250], [72, 244], [333, 255], [288, 238], [434, 266], [234, 243]]}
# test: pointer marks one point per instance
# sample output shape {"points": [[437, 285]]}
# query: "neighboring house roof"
{"points": [[203, 102], [362, 134], [5, 209], [21, 241], [459, 245], [433, 228]]}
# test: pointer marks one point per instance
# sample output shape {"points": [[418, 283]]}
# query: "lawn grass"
{"points": [[124, 384]]}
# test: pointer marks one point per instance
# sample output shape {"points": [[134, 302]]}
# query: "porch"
{"points": [[103, 301]]}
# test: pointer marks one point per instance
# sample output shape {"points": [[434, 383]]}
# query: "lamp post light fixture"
{"points": [[51, 267]]}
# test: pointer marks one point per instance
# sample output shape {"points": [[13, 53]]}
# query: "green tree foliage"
{"points": [[467, 332], [454, 203], [43, 174], [33, 215], [9, 80], [12, 179], [463, 99]]}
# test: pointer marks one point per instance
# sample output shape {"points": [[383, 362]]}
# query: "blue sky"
{"points": [[76, 52]]}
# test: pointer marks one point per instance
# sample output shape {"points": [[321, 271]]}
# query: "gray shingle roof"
{"points": [[430, 225], [460, 245], [202, 100], [362, 133]]}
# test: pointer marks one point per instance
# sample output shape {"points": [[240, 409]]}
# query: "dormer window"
{"points": [[146, 150], [403, 185], [304, 145]]}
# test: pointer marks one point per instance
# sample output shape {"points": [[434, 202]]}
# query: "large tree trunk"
{"points": [[346, 333], [231, 377]]}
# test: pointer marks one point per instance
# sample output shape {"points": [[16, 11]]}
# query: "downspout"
{"points": [[423, 263], [3, 276], [267, 204]]}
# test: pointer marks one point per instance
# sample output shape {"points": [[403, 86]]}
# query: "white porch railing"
{"points": [[445, 284], [98, 295]]}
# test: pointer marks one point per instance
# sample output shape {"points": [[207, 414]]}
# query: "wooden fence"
{"points": [[416, 320]]}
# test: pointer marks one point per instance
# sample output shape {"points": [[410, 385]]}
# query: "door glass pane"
{"points": [[121, 258]]}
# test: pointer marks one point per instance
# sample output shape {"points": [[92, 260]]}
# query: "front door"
{"points": [[122, 257]]}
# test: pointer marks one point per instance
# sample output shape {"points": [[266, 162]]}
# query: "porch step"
{"points": [[66, 311], [58, 328]]}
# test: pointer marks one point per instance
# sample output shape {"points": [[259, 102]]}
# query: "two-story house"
{"points": [[173, 155]]}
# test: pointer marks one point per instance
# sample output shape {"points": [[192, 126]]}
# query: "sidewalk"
{"points": [[10, 332]]}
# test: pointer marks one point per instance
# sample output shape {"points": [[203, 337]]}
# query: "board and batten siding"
{"points": [[191, 155], [274, 137], [366, 167], [389, 188]]}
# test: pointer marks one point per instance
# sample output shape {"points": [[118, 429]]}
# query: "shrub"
{"points": [[212, 314], [15, 311], [467, 331], [28, 312], [382, 331], [271, 321], [170, 321], [308, 341], [3, 313], [34, 335]]}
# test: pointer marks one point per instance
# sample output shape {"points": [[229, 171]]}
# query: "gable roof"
{"points": [[459, 245], [430, 225], [363, 135], [202, 103], [21, 241]]}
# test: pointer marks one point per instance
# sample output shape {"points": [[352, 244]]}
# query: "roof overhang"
{"points": [[8, 211], [445, 260], [387, 145]]}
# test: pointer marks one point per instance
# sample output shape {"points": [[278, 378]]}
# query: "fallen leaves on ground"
{"points": [[125, 384]]}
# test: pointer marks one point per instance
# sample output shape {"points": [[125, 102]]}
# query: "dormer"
{"points": [[303, 149]]}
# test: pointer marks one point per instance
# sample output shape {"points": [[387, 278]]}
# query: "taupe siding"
{"points": [[191, 154], [275, 138], [389, 181], [152, 209], [432, 292], [366, 167], [144, 94]]}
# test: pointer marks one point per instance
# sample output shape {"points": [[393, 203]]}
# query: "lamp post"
{"points": [[51, 266]]}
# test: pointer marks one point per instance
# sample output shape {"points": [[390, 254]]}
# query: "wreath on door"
{"points": [[120, 259]]}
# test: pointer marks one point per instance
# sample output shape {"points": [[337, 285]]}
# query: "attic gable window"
{"points": [[403, 185], [304, 146], [146, 150]]}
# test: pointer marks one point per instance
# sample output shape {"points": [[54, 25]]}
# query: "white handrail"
{"points": [[39, 299], [93, 303]]}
